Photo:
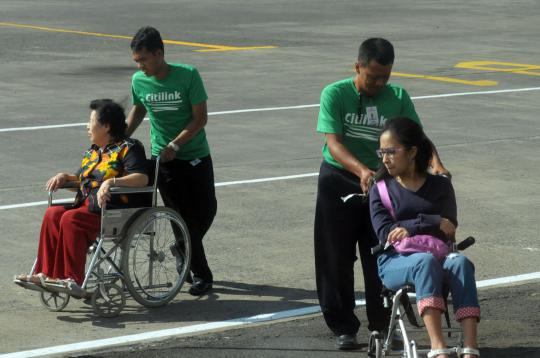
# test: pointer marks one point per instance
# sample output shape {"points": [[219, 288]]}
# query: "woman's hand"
{"points": [[104, 193], [448, 228], [56, 182], [397, 234]]}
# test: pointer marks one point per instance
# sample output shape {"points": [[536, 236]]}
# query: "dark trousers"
{"points": [[339, 228], [189, 189]]}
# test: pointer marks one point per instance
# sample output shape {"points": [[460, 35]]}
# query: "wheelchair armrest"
{"points": [[71, 185], [128, 190]]}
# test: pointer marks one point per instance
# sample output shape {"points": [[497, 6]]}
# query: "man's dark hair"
{"points": [[147, 38], [111, 113], [378, 49], [409, 134]]}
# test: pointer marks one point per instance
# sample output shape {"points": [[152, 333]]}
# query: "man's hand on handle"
{"points": [[366, 175]]}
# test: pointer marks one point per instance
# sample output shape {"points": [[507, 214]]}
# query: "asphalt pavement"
{"points": [[308, 336], [472, 69]]}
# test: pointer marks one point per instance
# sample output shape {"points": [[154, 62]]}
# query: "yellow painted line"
{"points": [[206, 47], [482, 83], [238, 48], [498, 66]]}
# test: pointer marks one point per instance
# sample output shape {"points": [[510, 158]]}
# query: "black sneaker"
{"points": [[347, 342], [200, 287]]}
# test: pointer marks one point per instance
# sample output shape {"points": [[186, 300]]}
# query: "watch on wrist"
{"points": [[173, 146]]}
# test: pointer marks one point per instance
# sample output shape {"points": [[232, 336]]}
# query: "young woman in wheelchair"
{"points": [[422, 204], [68, 231]]}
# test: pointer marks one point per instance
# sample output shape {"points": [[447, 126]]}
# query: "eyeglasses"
{"points": [[389, 151]]}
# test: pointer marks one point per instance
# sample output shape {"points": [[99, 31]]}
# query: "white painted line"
{"points": [[508, 280], [166, 333], [478, 92], [34, 203], [42, 127], [265, 109], [227, 183], [211, 326], [444, 95], [262, 180]]}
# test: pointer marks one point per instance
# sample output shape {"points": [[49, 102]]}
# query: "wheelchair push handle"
{"points": [[465, 243], [375, 250]]}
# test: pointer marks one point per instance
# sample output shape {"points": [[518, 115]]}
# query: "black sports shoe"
{"points": [[200, 287], [347, 342]]}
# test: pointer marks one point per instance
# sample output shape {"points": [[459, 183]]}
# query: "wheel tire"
{"points": [[375, 346], [378, 348], [54, 301], [148, 261], [108, 300]]}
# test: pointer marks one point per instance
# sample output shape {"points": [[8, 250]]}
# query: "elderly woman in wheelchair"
{"points": [[68, 231], [418, 203]]}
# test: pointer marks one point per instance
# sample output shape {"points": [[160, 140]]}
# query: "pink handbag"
{"points": [[416, 243]]}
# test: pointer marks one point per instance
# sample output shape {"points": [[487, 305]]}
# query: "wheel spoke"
{"points": [[152, 278]]}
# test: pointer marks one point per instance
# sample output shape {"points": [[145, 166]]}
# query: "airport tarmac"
{"points": [[472, 69]]}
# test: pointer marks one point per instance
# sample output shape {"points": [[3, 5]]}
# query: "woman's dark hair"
{"points": [[409, 134], [111, 113]]}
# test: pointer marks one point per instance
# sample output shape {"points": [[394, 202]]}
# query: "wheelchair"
{"points": [[404, 320], [143, 251]]}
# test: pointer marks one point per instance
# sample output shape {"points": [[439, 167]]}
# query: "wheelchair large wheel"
{"points": [[156, 256]]}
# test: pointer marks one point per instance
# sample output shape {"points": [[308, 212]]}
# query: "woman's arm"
{"points": [[387, 228], [382, 221], [420, 224], [57, 181], [449, 221], [134, 164], [134, 180], [445, 222]]}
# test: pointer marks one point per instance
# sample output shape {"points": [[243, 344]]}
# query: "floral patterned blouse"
{"points": [[115, 160]]}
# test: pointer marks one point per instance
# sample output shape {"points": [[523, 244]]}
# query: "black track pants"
{"points": [[339, 228]]}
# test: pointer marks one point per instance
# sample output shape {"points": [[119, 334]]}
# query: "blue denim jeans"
{"points": [[427, 274]]}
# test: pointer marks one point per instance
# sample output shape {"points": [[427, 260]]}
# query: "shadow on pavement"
{"points": [[227, 300], [521, 352]]}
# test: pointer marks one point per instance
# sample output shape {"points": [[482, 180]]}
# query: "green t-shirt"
{"points": [[168, 103], [359, 119]]}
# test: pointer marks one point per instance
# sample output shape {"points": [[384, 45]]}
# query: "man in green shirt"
{"points": [[352, 113], [174, 98]]}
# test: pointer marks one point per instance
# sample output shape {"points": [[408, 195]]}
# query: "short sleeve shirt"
{"points": [[358, 119], [168, 104], [115, 160]]}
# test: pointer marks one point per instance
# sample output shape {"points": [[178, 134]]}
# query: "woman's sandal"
{"points": [[31, 282], [468, 350], [437, 352]]}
